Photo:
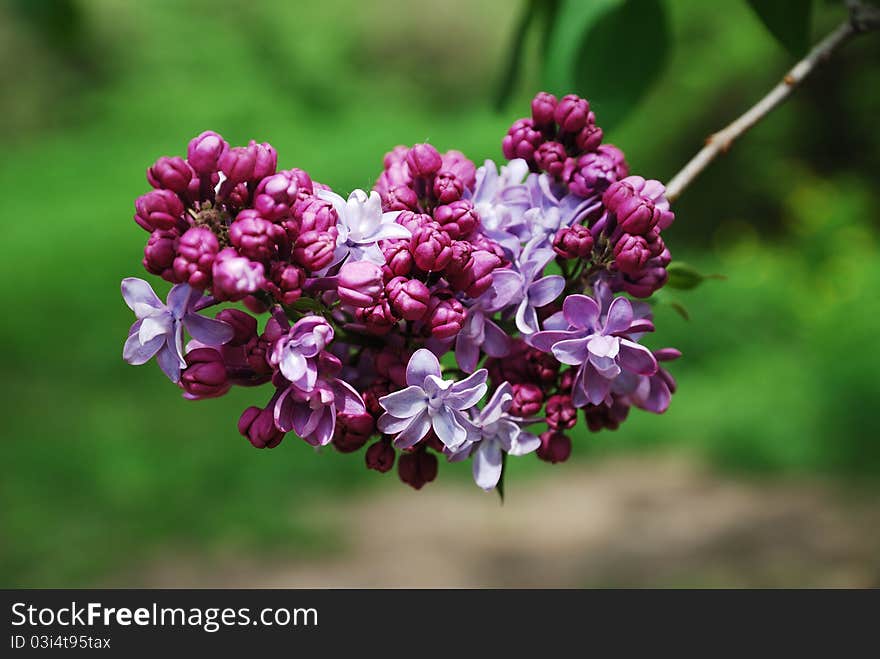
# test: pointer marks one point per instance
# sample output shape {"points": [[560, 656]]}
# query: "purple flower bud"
{"points": [[445, 316], [631, 254], [377, 319], [571, 113], [589, 137], [417, 468], [474, 276], [397, 156], [243, 325], [159, 253], [313, 250], [201, 188], [196, 252], [398, 258], [606, 416], [447, 187], [636, 211], [551, 157], [400, 198], [542, 366], [235, 277], [285, 282], [458, 219], [463, 167], [158, 209], [413, 221], [276, 195], [311, 214], [555, 447], [204, 152], [380, 456], [574, 242], [360, 283], [543, 110], [409, 297], [243, 164], [352, 431], [204, 375], [647, 282], [258, 425], [423, 160], [521, 140], [592, 173], [255, 237], [170, 174], [561, 413], [527, 399], [431, 247]]}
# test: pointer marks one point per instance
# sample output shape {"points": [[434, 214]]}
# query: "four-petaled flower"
{"points": [[296, 353], [536, 291], [428, 402], [495, 432], [361, 225], [598, 341], [159, 327]]}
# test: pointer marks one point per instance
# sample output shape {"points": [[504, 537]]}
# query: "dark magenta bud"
{"points": [[527, 400], [551, 157], [360, 283], [204, 152], [445, 316], [311, 214], [423, 160], [398, 258], [589, 137], [313, 250], [258, 425], [276, 195], [158, 209], [631, 254], [380, 456], [377, 319], [543, 110], [447, 187], [571, 113], [170, 174], [521, 140], [409, 297], [352, 431], [555, 447], [561, 413], [204, 375], [244, 326], [196, 252], [285, 282], [592, 173], [606, 416], [255, 237], [159, 253], [417, 468], [431, 247], [458, 219], [463, 167], [235, 277], [574, 242]]}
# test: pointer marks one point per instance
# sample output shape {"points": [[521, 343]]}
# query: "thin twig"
{"points": [[861, 19]]}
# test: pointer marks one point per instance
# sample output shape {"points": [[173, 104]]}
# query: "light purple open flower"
{"points": [[478, 330], [599, 341], [428, 402], [361, 225], [296, 354], [495, 432], [550, 212], [158, 329], [312, 414], [536, 291], [501, 198]]}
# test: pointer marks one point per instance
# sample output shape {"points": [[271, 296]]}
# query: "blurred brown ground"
{"points": [[636, 522]]}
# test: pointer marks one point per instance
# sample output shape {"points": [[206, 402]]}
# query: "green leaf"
{"points": [[306, 304], [789, 22], [609, 51], [685, 277]]}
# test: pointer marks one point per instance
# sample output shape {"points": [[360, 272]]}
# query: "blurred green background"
{"points": [[106, 466]]}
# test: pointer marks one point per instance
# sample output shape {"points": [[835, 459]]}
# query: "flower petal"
{"points": [[405, 403], [448, 427], [422, 364], [391, 425], [581, 311], [496, 343], [487, 464], [620, 316], [497, 405], [169, 361], [136, 353], [636, 358], [181, 298], [524, 443], [140, 297], [418, 427], [572, 351], [526, 318], [154, 326], [595, 386], [346, 398], [209, 331], [545, 290], [467, 353]]}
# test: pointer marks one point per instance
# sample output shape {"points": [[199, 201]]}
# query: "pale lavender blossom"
{"points": [[494, 433], [549, 211], [599, 341], [501, 199], [158, 330], [361, 225], [535, 291], [296, 354], [312, 414], [428, 402]]}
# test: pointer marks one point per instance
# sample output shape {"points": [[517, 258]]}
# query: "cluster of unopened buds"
{"points": [[452, 311]]}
